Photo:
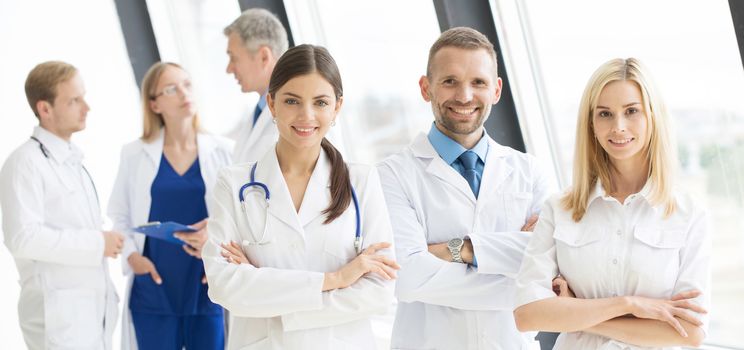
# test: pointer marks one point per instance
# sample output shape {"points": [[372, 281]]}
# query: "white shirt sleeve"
{"points": [[539, 266], [27, 235], [371, 294], [694, 269], [245, 290], [425, 278]]}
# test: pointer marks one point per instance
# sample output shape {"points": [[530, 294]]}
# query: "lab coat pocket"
{"points": [[339, 240], [71, 320], [517, 206]]}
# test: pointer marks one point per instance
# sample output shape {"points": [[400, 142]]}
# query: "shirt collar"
{"points": [[599, 192], [261, 102], [57, 148], [450, 150]]}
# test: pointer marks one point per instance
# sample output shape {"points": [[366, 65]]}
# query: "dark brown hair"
{"points": [[307, 59]]}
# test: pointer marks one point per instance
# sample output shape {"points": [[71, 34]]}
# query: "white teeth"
{"points": [[463, 111], [623, 141], [304, 130]]}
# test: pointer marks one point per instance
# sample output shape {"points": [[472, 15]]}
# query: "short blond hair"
{"points": [[462, 38], [42, 81], [592, 163], [152, 122]]}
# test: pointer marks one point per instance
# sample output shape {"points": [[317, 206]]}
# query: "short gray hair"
{"points": [[259, 27]]}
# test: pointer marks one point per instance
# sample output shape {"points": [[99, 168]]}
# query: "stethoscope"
{"points": [[267, 198], [45, 152]]}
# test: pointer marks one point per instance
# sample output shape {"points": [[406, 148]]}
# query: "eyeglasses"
{"points": [[172, 90]]}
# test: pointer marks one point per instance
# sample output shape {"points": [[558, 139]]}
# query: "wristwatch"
{"points": [[455, 245]]}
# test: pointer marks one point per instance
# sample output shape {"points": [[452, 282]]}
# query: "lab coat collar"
{"points": [[59, 150], [154, 149], [205, 145], [495, 171], [317, 195], [280, 204]]}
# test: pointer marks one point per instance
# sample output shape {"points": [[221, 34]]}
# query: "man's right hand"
{"points": [[142, 265], [113, 243], [529, 226]]}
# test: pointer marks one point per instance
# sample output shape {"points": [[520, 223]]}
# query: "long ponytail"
{"points": [[340, 183]]}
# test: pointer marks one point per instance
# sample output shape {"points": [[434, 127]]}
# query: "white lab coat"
{"points": [[129, 205], [447, 305], [52, 225], [278, 303], [255, 140]]}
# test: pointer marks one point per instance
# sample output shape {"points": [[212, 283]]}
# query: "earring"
{"points": [[333, 123], [273, 120]]}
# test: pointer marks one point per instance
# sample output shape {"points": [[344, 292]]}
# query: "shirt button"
{"points": [[614, 261]]}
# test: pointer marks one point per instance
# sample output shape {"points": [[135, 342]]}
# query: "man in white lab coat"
{"points": [[255, 41], [460, 205], [52, 223]]}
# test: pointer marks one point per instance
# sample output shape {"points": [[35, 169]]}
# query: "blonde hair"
{"points": [[42, 81], [591, 162], [153, 122]]}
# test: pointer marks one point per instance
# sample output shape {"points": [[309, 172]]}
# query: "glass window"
{"points": [[690, 47], [381, 50], [190, 33], [44, 30]]}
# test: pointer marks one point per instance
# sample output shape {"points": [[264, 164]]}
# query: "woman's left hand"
{"points": [[561, 288], [233, 253], [194, 240]]}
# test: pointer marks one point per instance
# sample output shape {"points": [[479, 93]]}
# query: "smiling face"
{"points": [[462, 87], [304, 108], [173, 98], [620, 122]]}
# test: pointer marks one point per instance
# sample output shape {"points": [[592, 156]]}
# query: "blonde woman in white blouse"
{"points": [[631, 251]]}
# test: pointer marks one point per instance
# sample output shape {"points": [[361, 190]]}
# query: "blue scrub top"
{"points": [[178, 198]]}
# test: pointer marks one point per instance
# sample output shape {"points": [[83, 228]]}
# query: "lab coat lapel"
{"points": [[154, 149], [206, 146], [259, 130], [422, 148], [280, 204], [317, 195], [496, 169]]}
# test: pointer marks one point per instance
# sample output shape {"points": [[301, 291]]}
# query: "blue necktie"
{"points": [[257, 113], [468, 160]]}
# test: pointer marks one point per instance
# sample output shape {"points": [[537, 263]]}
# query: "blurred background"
{"points": [[548, 50]]}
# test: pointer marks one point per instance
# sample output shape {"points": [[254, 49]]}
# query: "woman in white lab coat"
{"points": [[167, 175], [289, 272], [632, 251]]}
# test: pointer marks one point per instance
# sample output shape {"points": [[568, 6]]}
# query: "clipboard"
{"points": [[164, 231]]}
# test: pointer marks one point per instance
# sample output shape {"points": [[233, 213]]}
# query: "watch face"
{"points": [[455, 243]]}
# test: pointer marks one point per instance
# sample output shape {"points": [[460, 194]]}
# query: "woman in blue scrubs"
{"points": [[166, 175]]}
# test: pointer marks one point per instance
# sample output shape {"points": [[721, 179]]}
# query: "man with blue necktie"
{"points": [[255, 41], [462, 207]]}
